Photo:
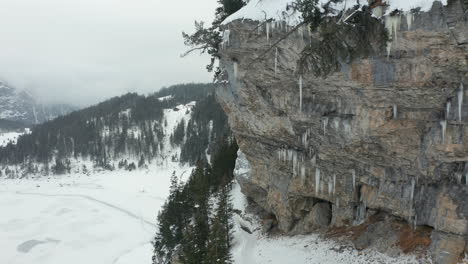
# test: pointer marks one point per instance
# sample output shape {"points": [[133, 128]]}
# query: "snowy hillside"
{"points": [[9, 137]]}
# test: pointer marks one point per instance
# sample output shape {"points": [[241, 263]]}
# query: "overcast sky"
{"points": [[84, 51]]}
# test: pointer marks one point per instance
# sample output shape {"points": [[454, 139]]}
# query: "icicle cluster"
{"points": [[226, 38]]}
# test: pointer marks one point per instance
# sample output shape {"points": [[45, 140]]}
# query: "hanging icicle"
{"points": [[268, 32], [447, 110], [461, 94], [334, 184], [276, 60], [395, 111], [317, 180], [300, 94], [409, 19], [353, 172], [226, 38], [443, 124], [235, 69], [325, 124]]}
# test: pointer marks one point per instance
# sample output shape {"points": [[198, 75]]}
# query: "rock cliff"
{"points": [[384, 133]]}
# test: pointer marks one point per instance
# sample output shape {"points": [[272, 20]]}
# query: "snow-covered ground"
{"points": [[103, 218], [9, 137]]}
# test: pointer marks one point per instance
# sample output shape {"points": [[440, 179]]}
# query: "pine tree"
{"points": [[220, 239]]}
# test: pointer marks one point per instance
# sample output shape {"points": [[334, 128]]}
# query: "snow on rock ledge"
{"points": [[277, 10]]}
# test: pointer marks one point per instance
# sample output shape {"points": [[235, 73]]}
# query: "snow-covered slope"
{"points": [[10, 137]]}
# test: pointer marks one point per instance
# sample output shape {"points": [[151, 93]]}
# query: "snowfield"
{"points": [[9, 137], [102, 218]]}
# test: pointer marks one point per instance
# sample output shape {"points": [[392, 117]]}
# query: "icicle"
{"points": [[330, 188], [317, 180], [389, 49], [447, 110], [294, 163], [466, 178], [235, 66], [460, 101], [415, 222], [458, 175], [268, 31], [413, 185], [353, 172], [334, 184], [336, 123], [392, 24], [347, 127], [314, 160], [276, 60], [409, 19], [226, 38], [303, 172], [300, 93], [395, 111], [325, 124], [443, 124]]}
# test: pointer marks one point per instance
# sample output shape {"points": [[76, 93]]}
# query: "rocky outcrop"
{"points": [[19, 106], [384, 133]]}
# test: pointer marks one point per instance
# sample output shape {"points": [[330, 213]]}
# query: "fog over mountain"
{"points": [[83, 51]]}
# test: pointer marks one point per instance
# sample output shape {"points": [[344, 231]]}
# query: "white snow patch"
{"points": [[165, 98], [405, 5], [261, 10], [11, 137], [276, 10]]}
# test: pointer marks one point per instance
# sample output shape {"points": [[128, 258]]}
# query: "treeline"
{"points": [[195, 223], [125, 127]]}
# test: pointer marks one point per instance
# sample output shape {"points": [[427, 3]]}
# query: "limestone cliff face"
{"points": [[385, 133]]}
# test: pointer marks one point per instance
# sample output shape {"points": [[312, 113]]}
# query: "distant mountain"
{"points": [[183, 123], [19, 106]]}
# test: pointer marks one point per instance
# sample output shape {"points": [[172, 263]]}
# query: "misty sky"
{"points": [[84, 51]]}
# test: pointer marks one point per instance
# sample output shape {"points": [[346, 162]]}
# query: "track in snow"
{"points": [[122, 210]]}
